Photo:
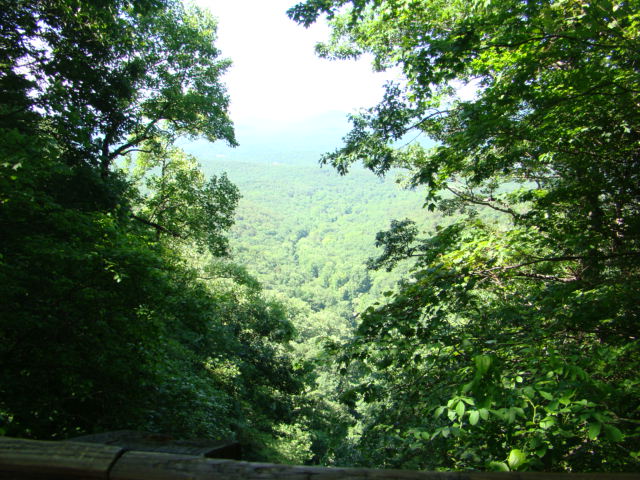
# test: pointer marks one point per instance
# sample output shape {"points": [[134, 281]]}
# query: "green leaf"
{"points": [[594, 430], [460, 409], [483, 363], [516, 458], [613, 434], [498, 466], [547, 422], [451, 414], [552, 406], [545, 395], [474, 416]]}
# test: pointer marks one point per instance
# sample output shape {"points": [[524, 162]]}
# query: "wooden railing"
{"points": [[38, 460]]}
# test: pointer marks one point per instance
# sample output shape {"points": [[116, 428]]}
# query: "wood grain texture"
{"points": [[158, 466], [37, 459], [140, 441]]}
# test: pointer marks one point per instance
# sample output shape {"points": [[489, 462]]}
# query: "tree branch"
{"points": [[565, 258], [547, 37], [107, 157], [428, 117], [476, 201], [158, 227], [551, 278], [142, 150]]}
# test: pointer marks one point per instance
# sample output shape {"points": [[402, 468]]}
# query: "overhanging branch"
{"points": [[158, 227], [477, 201]]}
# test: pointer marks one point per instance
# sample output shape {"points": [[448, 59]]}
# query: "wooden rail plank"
{"points": [[37, 460], [159, 466], [140, 441], [27, 459]]}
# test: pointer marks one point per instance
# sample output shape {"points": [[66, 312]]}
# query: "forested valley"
{"points": [[455, 287]]}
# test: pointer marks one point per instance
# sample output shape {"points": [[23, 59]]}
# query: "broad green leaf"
{"points": [[516, 458], [594, 430], [552, 406], [541, 451], [498, 466], [612, 433], [460, 409], [547, 422], [545, 395], [451, 414], [474, 416]]}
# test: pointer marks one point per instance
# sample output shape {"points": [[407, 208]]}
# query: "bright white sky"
{"points": [[276, 76]]}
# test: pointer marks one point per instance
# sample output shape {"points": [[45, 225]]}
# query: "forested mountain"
{"points": [[227, 294], [307, 232], [292, 143]]}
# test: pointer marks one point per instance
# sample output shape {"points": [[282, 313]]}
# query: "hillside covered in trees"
{"points": [[484, 317]]}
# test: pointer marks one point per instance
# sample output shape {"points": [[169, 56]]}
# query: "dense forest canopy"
{"points": [[108, 318], [495, 329], [514, 343]]}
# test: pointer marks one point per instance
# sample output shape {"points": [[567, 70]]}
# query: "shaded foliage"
{"points": [[513, 344], [109, 319]]}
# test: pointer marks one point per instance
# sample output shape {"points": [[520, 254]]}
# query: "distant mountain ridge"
{"points": [[291, 143]]}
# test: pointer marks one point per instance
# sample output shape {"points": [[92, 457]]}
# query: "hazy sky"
{"points": [[276, 76]]}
